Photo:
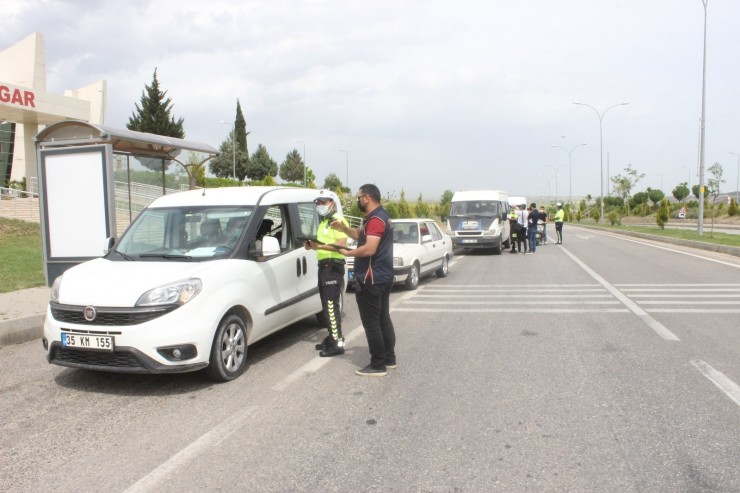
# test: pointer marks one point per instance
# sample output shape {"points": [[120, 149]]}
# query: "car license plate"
{"points": [[470, 241], [84, 341]]}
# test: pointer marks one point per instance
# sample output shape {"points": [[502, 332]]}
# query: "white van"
{"points": [[194, 280], [478, 219]]}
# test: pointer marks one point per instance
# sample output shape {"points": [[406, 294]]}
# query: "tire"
{"points": [[229, 350], [442, 271], [497, 249], [412, 282]]}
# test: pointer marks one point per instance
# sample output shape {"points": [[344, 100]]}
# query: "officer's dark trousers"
{"points": [[331, 284], [373, 302]]}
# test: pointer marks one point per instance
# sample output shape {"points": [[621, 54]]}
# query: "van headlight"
{"points": [[176, 293], [54, 296]]}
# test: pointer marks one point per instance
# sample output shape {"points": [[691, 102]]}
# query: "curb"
{"points": [[20, 330]]}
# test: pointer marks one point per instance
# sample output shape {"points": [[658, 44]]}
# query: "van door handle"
{"points": [[305, 266], [298, 267]]}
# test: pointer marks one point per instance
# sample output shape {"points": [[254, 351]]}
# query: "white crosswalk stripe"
{"points": [[684, 298]]}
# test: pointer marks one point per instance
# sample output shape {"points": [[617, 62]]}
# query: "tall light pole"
{"points": [[737, 187], [304, 160], [700, 219], [347, 177], [233, 146], [557, 172], [570, 169], [601, 149]]}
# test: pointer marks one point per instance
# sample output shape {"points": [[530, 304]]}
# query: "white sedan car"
{"points": [[419, 248]]}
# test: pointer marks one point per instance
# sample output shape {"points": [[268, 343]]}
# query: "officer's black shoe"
{"points": [[334, 349], [328, 340]]}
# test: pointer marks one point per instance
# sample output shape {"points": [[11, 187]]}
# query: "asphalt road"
{"points": [[605, 364]]}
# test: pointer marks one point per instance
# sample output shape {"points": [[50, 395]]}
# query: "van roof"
{"points": [[235, 196], [479, 195]]}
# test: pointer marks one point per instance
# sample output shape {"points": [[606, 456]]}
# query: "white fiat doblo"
{"points": [[194, 280]]}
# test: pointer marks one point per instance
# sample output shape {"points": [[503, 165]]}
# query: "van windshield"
{"points": [[184, 233], [477, 208]]}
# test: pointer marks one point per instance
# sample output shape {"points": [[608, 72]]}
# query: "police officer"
{"points": [[559, 216], [331, 272]]}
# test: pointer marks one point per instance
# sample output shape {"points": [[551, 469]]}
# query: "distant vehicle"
{"points": [[420, 247], [196, 278], [478, 219], [517, 201]]}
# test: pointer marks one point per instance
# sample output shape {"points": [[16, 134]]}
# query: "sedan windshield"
{"points": [[184, 234]]}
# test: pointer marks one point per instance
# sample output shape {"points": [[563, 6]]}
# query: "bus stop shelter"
{"points": [[94, 180]]}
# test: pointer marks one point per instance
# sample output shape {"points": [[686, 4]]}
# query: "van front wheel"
{"points": [[229, 350]]}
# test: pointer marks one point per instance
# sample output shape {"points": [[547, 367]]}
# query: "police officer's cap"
{"points": [[325, 195]]}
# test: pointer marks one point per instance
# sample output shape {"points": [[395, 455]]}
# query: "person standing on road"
{"points": [[331, 272], [559, 216], [374, 279], [543, 221], [532, 219], [523, 215]]}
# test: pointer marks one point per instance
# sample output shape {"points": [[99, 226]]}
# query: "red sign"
{"points": [[16, 96]]}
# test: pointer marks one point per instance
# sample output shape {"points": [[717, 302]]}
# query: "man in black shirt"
{"points": [[532, 219]]}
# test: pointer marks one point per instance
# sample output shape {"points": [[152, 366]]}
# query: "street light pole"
{"points": [[233, 147], [700, 219], [737, 187], [570, 169], [347, 177], [304, 160], [557, 172], [601, 149]]}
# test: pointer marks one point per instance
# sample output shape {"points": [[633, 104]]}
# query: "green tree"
{"points": [[242, 146], [333, 182], [422, 208], [732, 209], [446, 200], [661, 218], [404, 209], [223, 165], [681, 191], [622, 185], [261, 165], [292, 168], [154, 114], [655, 195], [695, 191]]}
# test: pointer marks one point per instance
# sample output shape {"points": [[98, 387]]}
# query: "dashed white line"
{"points": [[730, 388]]}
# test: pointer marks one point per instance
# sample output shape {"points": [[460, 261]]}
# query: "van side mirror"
{"points": [[270, 246], [110, 242], [426, 238]]}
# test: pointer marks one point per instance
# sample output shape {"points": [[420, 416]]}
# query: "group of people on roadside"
{"points": [[524, 223]]}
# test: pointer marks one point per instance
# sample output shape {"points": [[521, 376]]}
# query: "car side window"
{"points": [[434, 230], [308, 219], [276, 224]]}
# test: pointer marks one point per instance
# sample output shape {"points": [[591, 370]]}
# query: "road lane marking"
{"points": [[621, 237], [730, 388], [513, 310], [659, 328], [210, 439], [611, 301]]}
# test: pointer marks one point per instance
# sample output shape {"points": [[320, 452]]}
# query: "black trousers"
{"points": [[373, 302], [559, 231], [331, 284]]}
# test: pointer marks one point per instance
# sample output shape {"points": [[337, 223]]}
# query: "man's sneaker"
{"points": [[391, 366], [325, 343], [371, 371], [335, 348]]}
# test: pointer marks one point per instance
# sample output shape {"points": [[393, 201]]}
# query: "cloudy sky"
{"points": [[424, 95]]}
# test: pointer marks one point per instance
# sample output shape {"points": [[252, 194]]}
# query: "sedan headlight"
{"points": [[397, 261], [54, 296], [177, 293]]}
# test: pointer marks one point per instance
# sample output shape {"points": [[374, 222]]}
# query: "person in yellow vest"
{"points": [[559, 216], [331, 272]]}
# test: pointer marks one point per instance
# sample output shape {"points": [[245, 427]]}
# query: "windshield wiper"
{"points": [[127, 257], [168, 256]]}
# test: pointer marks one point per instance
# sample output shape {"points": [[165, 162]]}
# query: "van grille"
{"points": [[108, 316]]}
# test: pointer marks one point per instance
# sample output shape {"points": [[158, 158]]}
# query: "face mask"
{"points": [[323, 210]]}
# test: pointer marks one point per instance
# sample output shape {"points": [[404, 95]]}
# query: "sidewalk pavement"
{"points": [[22, 315]]}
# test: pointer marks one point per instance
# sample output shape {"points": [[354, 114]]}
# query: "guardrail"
{"points": [[19, 204]]}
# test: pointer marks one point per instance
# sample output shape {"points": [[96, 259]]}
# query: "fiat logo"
{"points": [[90, 313]]}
